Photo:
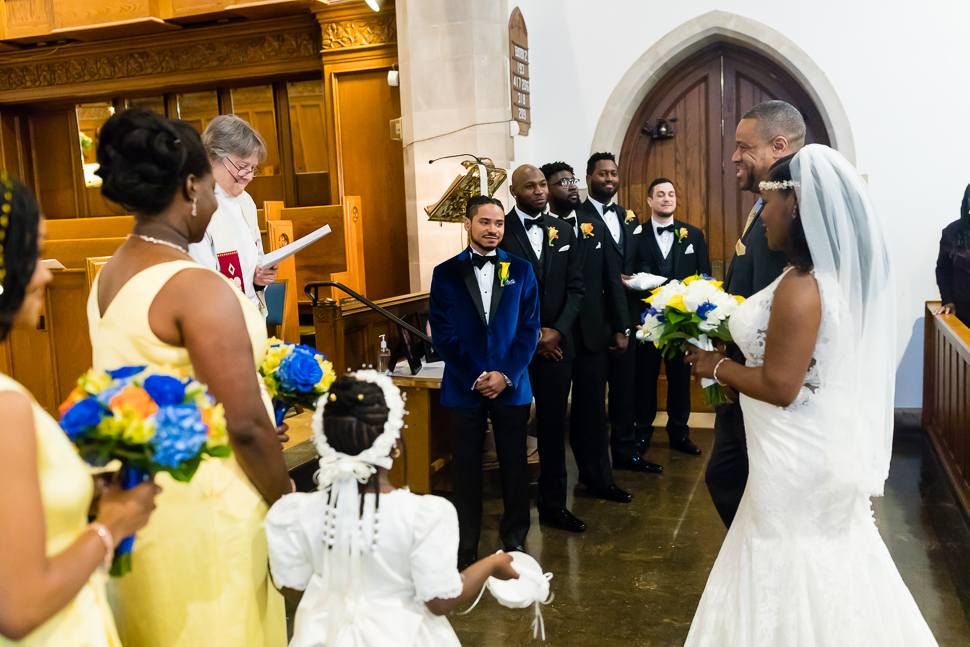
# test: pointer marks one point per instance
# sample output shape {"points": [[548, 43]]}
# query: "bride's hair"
{"points": [[799, 255], [18, 246]]}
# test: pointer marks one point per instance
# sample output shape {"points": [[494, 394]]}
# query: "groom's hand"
{"points": [[491, 384]]}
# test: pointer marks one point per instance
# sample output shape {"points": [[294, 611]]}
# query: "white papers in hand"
{"points": [[271, 259]]}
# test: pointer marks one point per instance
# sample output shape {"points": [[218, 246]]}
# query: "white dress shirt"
{"points": [[610, 217], [666, 239], [535, 234], [485, 276]]}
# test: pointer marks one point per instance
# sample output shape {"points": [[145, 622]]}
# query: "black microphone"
{"points": [[477, 159]]}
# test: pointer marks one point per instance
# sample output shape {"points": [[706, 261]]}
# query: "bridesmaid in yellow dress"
{"points": [[199, 569], [51, 586]]}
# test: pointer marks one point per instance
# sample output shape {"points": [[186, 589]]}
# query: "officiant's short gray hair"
{"points": [[778, 118], [230, 135]]}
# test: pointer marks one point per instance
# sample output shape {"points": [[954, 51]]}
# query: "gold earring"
{"points": [[396, 454], [195, 206]]}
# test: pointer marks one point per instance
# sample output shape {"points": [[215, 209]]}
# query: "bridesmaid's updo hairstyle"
{"points": [[354, 415], [144, 159], [799, 255], [19, 224]]}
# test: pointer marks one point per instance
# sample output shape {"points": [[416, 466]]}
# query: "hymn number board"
{"points": [[519, 66]]}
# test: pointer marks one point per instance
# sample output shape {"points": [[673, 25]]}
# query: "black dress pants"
{"points": [[678, 393], [469, 427], [727, 470], [622, 380], [588, 436], [550, 388]]}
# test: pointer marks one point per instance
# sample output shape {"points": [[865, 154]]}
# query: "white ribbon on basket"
{"points": [[541, 582]]}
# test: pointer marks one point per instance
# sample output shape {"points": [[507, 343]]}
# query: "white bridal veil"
{"points": [[849, 250]]}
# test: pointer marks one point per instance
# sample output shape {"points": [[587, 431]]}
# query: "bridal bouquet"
{"points": [[693, 311], [151, 420], [294, 374]]}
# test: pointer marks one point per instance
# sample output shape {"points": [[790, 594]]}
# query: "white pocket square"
{"points": [[598, 245], [638, 230], [690, 249], [564, 248]]}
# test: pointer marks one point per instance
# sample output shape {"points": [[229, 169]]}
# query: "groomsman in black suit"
{"points": [[675, 250], [624, 242], [766, 133], [603, 301], [549, 244]]}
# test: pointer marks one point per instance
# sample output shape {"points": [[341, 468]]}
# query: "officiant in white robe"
{"points": [[232, 244]]}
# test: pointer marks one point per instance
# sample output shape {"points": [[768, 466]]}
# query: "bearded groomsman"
{"points": [[675, 250], [601, 318], [484, 316], [623, 240], [549, 245]]}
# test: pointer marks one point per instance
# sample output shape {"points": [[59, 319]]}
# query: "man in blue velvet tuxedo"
{"points": [[485, 324]]}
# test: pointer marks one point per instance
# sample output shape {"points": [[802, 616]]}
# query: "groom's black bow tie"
{"points": [[670, 228], [533, 222], [480, 261], [571, 220]]}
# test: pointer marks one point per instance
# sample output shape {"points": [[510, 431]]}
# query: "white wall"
{"points": [[898, 68]]}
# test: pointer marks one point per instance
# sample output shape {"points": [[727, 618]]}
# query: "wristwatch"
{"points": [[508, 382], [626, 333]]}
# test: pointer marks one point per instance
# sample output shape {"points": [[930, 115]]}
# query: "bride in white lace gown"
{"points": [[803, 564]]}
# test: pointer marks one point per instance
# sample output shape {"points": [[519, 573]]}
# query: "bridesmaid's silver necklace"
{"points": [[158, 241]]}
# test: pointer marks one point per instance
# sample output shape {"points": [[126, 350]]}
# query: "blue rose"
{"points": [[165, 390], [299, 371], [86, 413], [179, 434], [125, 371], [704, 308]]}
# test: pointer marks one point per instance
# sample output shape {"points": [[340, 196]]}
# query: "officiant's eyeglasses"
{"points": [[244, 170], [567, 182]]}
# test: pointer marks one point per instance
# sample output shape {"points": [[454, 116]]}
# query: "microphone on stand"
{"points": [[482, 172]]}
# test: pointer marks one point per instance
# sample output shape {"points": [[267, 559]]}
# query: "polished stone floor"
{"points": [[636, 575]]}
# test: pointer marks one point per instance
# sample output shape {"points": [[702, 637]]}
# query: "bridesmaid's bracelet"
{"points": [[108, 540], [717, 366]]}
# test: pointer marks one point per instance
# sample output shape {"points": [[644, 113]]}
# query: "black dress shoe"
{"points": [[687, 447], [466, 558], [612, 493], [642, 446], [560, 518], [514, 548], [637, 464]]}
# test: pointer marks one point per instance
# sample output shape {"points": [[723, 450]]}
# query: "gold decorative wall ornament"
{"points": [[451, 206], [359, 32]]}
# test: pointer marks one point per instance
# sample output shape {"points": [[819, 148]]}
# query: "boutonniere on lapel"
{"points": [[630, 217], [503, 274], [681, 234], [587, 229], [553, 234]]}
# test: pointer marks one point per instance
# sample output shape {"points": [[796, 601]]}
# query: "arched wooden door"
{"points": [[707, 94]]}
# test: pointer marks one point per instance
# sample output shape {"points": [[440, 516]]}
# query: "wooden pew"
{"points": [[946, 396]]}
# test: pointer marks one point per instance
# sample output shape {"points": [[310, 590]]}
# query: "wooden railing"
{"points": [[946, 396]]}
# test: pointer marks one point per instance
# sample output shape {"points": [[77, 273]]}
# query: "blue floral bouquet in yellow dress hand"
{"points": [[294, 374], [151, 420]]}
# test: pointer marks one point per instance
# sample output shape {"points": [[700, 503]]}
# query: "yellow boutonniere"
{"points": [[553, 234], [587, 229], [630, 216], [503, 273], [681, 234]]}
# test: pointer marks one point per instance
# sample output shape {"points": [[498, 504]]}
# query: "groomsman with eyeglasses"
{"points": [[549, 244], [624, 242], [601, 319]]}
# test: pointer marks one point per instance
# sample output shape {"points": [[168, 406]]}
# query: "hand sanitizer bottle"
{"points": [[384, 357]]}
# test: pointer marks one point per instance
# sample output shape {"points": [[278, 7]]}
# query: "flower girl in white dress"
{"points": [[376, 564], [803, 564]]}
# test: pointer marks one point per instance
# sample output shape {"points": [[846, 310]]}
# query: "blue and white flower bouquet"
{"points": [[294, 374]]}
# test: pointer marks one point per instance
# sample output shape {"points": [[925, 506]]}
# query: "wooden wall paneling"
{"points": [[70, 342], [6, 365], [30, 360], [355, 277], [27, 17], [57, 166], [284, 147], [371, 165], [15, 145]]}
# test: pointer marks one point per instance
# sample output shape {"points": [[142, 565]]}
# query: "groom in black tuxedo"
{"points": [[623, 240], [766, 133], [675, 250], [549, 244]]}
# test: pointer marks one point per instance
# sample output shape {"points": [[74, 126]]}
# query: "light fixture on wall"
{"points": [[663, 129], [375, 4], [393, 76]]}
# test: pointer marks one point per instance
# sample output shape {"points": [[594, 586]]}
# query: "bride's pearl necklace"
{"points": [[157, 241]]}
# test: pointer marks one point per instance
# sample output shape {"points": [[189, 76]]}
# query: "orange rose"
{"points": [[136, 399], [73, 398]]}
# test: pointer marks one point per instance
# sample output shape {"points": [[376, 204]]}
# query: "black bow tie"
{"points": [[670, 228], [533, 222], [571, 220], [480, 261]]}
